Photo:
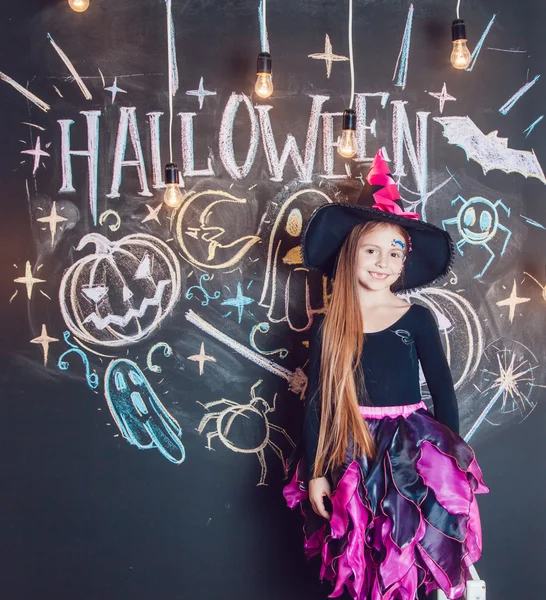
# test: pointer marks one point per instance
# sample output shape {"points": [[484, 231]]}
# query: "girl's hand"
{"points": [[318, 489]]}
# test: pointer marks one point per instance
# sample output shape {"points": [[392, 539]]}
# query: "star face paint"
{"points": [[400, 243]]}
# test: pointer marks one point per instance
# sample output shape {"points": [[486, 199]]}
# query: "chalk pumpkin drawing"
{"points": [[119, 294], [141, 417]]}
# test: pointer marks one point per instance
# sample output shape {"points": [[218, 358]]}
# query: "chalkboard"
{"points": [[154, 359]]}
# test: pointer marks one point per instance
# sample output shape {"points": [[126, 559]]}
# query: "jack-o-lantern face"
{"points": [[122, 292]]}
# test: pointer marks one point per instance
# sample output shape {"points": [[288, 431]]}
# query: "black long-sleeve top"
{"points": [[390, 361]]}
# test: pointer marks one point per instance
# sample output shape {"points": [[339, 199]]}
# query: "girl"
{"points": [[387, 490]]}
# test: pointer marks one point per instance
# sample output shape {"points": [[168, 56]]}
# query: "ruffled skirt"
{"points": [[405, 520]]}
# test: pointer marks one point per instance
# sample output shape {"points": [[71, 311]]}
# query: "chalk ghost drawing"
{"points": [[141, 417], [119, 294], [288, 283]]}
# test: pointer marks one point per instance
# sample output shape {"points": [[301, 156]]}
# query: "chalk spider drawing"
{"points": [[478, 231], [256, 409]]}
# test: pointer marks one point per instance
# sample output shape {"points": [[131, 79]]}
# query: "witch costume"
{"points": [[405, 521]]}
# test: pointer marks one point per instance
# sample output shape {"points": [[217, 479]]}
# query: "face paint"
{"points": [[400, 243]]}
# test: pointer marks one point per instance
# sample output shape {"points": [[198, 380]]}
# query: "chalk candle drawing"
{"points": [[328, 56], [508, 379], [479, 231], [212, 250], [489, 151], [206, 296], [512, 301], [264, 328], [286, 280], [53, 220], [201, 358], [460, 328], [37, 153], [139, 414], [62, 363], [114, 90], [44, 339], [167, 351], [256, 411], [442, 97], [297, 380], [122, 292]]}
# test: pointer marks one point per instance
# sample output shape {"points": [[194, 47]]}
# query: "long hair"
{"points": [[341, 376]]}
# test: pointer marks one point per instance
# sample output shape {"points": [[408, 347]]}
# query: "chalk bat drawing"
{"points": [[122, 292], [254, 424], [53, 220], [507, 381], [287, 282], [207, 297], [328, 56], [141, 417], [460, 328], [512, 301], [264, 328], [478, 222], [44, 339], [62, 363], [167, 351], [297, 380], [489, 151], [201, 358], [206, 245]]}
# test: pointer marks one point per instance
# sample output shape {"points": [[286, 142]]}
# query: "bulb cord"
{"points": [[351, 59], [171, 92], [264, 25], [458, 7]]}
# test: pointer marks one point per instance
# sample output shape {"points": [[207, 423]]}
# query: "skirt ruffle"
{"points": [[406, 519]]}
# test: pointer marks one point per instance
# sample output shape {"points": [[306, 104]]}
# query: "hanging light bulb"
{"points": [[460, 56], [173, 196], [346, 144], [79, 5], [264, 83]]}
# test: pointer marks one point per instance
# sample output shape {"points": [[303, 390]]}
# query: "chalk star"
{"points": [[239, 301], [442, 97], [37, 153], [152, 213], [201, 358], [512, 301], [114, 89], [54, 219], [44, 340], [200, 93], [328, 56], [29, 280]]}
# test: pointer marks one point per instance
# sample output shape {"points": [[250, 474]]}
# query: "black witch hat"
{"points": [[431, 248]]}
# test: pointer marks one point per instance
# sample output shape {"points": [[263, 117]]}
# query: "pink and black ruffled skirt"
{"points": [[406, 520]]}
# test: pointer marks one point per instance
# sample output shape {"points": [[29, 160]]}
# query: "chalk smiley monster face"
{"points": [[478, 229], [121, 293]]}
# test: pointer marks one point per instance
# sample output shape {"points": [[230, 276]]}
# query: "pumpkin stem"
{"points": [[102, 244]]}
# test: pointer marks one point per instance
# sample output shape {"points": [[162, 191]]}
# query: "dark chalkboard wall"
{"points": [[154, 360]]}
